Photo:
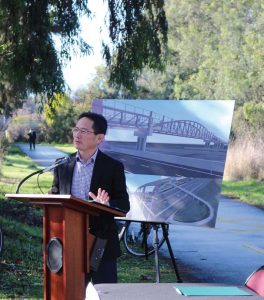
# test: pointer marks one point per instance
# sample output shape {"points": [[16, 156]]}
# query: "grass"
{"points": [[17, 166], [244, 159], [251, 191], [67, 148], [139, 269], [21, 270]]}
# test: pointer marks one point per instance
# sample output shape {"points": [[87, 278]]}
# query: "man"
{"points": [[91, 174], [32, 138]]}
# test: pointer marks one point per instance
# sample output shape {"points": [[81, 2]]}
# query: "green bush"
{"points": [[3, 147], [19, 126]]}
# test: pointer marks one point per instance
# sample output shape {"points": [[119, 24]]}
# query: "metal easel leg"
{"points": [[165, 235], [156, 247], [145, 244]]}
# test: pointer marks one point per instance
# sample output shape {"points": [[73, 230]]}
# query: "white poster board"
{"points": [[174, 155]]}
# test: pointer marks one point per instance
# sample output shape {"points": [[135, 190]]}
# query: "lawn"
{"points": [[21, 270], [251, 192]]}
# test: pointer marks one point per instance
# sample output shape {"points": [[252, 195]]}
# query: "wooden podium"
{"points": [[66, 225]]}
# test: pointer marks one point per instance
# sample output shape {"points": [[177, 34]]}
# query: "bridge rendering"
{"points": [[146, 122], [205, 159]]}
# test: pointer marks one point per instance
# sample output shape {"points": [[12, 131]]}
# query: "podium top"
{"points": [[69, 201]]}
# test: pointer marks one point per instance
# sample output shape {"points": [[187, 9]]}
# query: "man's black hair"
{"points": [[99, 121]]}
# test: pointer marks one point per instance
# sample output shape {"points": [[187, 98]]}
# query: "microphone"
{"points": [[58, 162]]}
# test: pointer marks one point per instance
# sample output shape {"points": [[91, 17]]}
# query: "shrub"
{"points": [[19, 126], [3, 146], [245, 158]]}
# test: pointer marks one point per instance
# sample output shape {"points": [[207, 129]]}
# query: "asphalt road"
{"points": [[142, 165], [227, 253], [137, 161]]}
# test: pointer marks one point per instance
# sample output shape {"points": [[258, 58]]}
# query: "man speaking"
{"points": [[91, 174]]}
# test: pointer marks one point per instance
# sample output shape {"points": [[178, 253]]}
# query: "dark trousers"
{"points": [[106, 273], [32, 144]]}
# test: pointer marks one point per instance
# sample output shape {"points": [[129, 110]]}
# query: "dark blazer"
{"points": [[109, 175]]}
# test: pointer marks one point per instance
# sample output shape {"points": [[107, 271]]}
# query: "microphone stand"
{"points": [[27, 177], [59, 162]]}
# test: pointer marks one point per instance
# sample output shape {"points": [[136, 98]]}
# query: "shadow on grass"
{"points": [[21, 269]]}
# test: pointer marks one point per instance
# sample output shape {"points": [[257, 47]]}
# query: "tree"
{"points": [[217, 49], [254, 115], [59, 119], [138, 32], [29, 61]]}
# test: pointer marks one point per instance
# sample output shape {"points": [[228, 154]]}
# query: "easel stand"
{"points": [[155, 226], [156, 247]]}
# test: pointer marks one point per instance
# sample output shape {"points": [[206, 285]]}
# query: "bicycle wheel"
{"points": [[1, 240], [134, 238]]}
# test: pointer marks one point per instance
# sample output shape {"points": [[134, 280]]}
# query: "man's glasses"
{"points": [[75, 130]]}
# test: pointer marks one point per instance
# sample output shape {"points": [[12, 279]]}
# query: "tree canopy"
{"points": [[215, 51], [29, 62], [138, 32], [217, 47]]}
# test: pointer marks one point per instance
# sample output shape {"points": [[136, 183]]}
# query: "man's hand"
{"points": [[102, 196]]}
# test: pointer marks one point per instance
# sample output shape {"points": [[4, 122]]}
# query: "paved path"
{"points": [[43, 155], [227, 253]]}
